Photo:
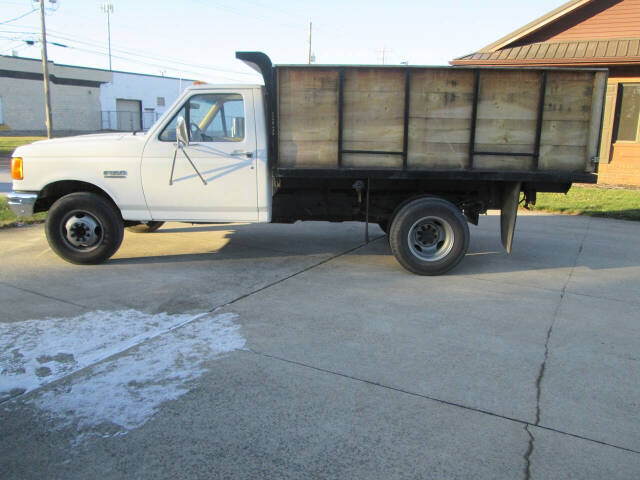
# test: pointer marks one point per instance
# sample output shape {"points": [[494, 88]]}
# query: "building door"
{"points": [[128, 114]]}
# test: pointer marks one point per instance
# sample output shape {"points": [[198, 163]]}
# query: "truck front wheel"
{"points": [[84, 228], [429, 236]]}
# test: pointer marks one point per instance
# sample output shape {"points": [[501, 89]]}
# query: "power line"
{"points": [[94, 52], [17, 18], [94, 44], [175, 65]]}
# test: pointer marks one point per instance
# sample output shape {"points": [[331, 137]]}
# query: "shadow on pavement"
{"points": [[542, 242]]}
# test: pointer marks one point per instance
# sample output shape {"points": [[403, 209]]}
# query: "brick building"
{"points": [[587, 33]]}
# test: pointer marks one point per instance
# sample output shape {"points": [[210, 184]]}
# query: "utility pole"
{"points": [[310, 27], [383, 52], [107, 7], [45, 72]]}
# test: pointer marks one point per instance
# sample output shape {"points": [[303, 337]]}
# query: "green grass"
{"points": [[596, 202], [8, 219], [9, 144]]}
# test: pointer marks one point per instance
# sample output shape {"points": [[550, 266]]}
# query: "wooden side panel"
{"points": [[566, 125], [308, 117], [441, 102], [507, 117], [440, 118], [373, 114]]}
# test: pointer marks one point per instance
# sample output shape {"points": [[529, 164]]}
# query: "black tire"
{"points": [[90, 221], [429, 236], [145, 227]]}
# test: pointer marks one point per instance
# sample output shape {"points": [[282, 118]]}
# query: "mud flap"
{"points": [[509, 212]]}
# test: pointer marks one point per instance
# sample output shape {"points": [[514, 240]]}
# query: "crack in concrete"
{"points": [[33, 292], [433, 399], [543, 365], [527, 455]]}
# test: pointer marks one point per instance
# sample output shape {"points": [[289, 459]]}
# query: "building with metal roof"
{"points": [[587, 33]]}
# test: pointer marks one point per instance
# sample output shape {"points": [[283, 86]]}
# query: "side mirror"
{"points": [[182, 134]]}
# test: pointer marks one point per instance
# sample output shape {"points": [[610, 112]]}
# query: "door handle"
{"points": [[239, 153]]}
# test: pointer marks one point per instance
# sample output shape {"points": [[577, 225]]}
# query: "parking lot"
{"points": [[298, 351]]}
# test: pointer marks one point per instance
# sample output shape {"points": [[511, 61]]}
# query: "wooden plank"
{"points": [[562, 158], [567, 107], [438, 155], [455, 130], [569, 83], [510, 133], [573, 133], [445, 80], [441, 105], [362, 160], [308, 154], [503, 163]]}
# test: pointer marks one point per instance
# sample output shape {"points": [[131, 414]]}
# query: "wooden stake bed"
{"points": [[408, 122]]}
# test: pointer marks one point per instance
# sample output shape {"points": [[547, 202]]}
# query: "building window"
{"points": [[160, 101], [628, 113]]}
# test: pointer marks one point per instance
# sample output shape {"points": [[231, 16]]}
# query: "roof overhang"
{"points": [[536, 25]]}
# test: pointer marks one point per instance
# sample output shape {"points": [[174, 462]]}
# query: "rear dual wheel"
{"points": [[429, 236]]}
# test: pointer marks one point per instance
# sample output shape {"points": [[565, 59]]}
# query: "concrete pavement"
{"points": [[295, 351]]}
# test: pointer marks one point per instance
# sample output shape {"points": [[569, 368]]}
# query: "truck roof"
{"points": [[230, 86]]}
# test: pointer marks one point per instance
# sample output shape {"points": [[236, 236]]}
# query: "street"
{"points": [[5, 176], [298, 351]]}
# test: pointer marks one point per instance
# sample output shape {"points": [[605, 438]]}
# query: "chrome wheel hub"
{"points": [[83, 231], [431, 238]]}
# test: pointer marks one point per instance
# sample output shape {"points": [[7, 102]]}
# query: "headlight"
{"points": [[16, 168]]}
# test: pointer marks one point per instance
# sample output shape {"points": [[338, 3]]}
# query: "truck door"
{"points": [[219, 183]]}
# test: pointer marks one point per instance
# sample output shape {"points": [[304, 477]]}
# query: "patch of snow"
{"points": [[36, 352], [124, 392]]}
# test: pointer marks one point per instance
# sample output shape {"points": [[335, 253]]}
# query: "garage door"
{"points": [[128, 114]]}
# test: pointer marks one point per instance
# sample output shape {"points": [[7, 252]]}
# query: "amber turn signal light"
{"points": [[16, 168]]}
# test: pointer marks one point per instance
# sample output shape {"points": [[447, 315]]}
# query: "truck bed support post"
{"points": [[366, 213], [340, 111], [543, 91], [474, 117]]}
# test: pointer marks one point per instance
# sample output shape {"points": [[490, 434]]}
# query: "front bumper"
{"points": [[21, 203]]}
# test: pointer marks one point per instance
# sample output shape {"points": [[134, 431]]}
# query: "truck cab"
{"points": [[217, 172]]}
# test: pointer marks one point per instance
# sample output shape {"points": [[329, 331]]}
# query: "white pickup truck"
{"points": [[418, 150]]}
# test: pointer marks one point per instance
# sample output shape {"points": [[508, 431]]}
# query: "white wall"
{"points": [[144, 88]]}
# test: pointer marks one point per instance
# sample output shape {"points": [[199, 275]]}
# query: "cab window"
{"points": [[210, 117]]}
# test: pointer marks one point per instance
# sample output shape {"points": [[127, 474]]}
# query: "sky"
{"points": [[197, 39]]}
